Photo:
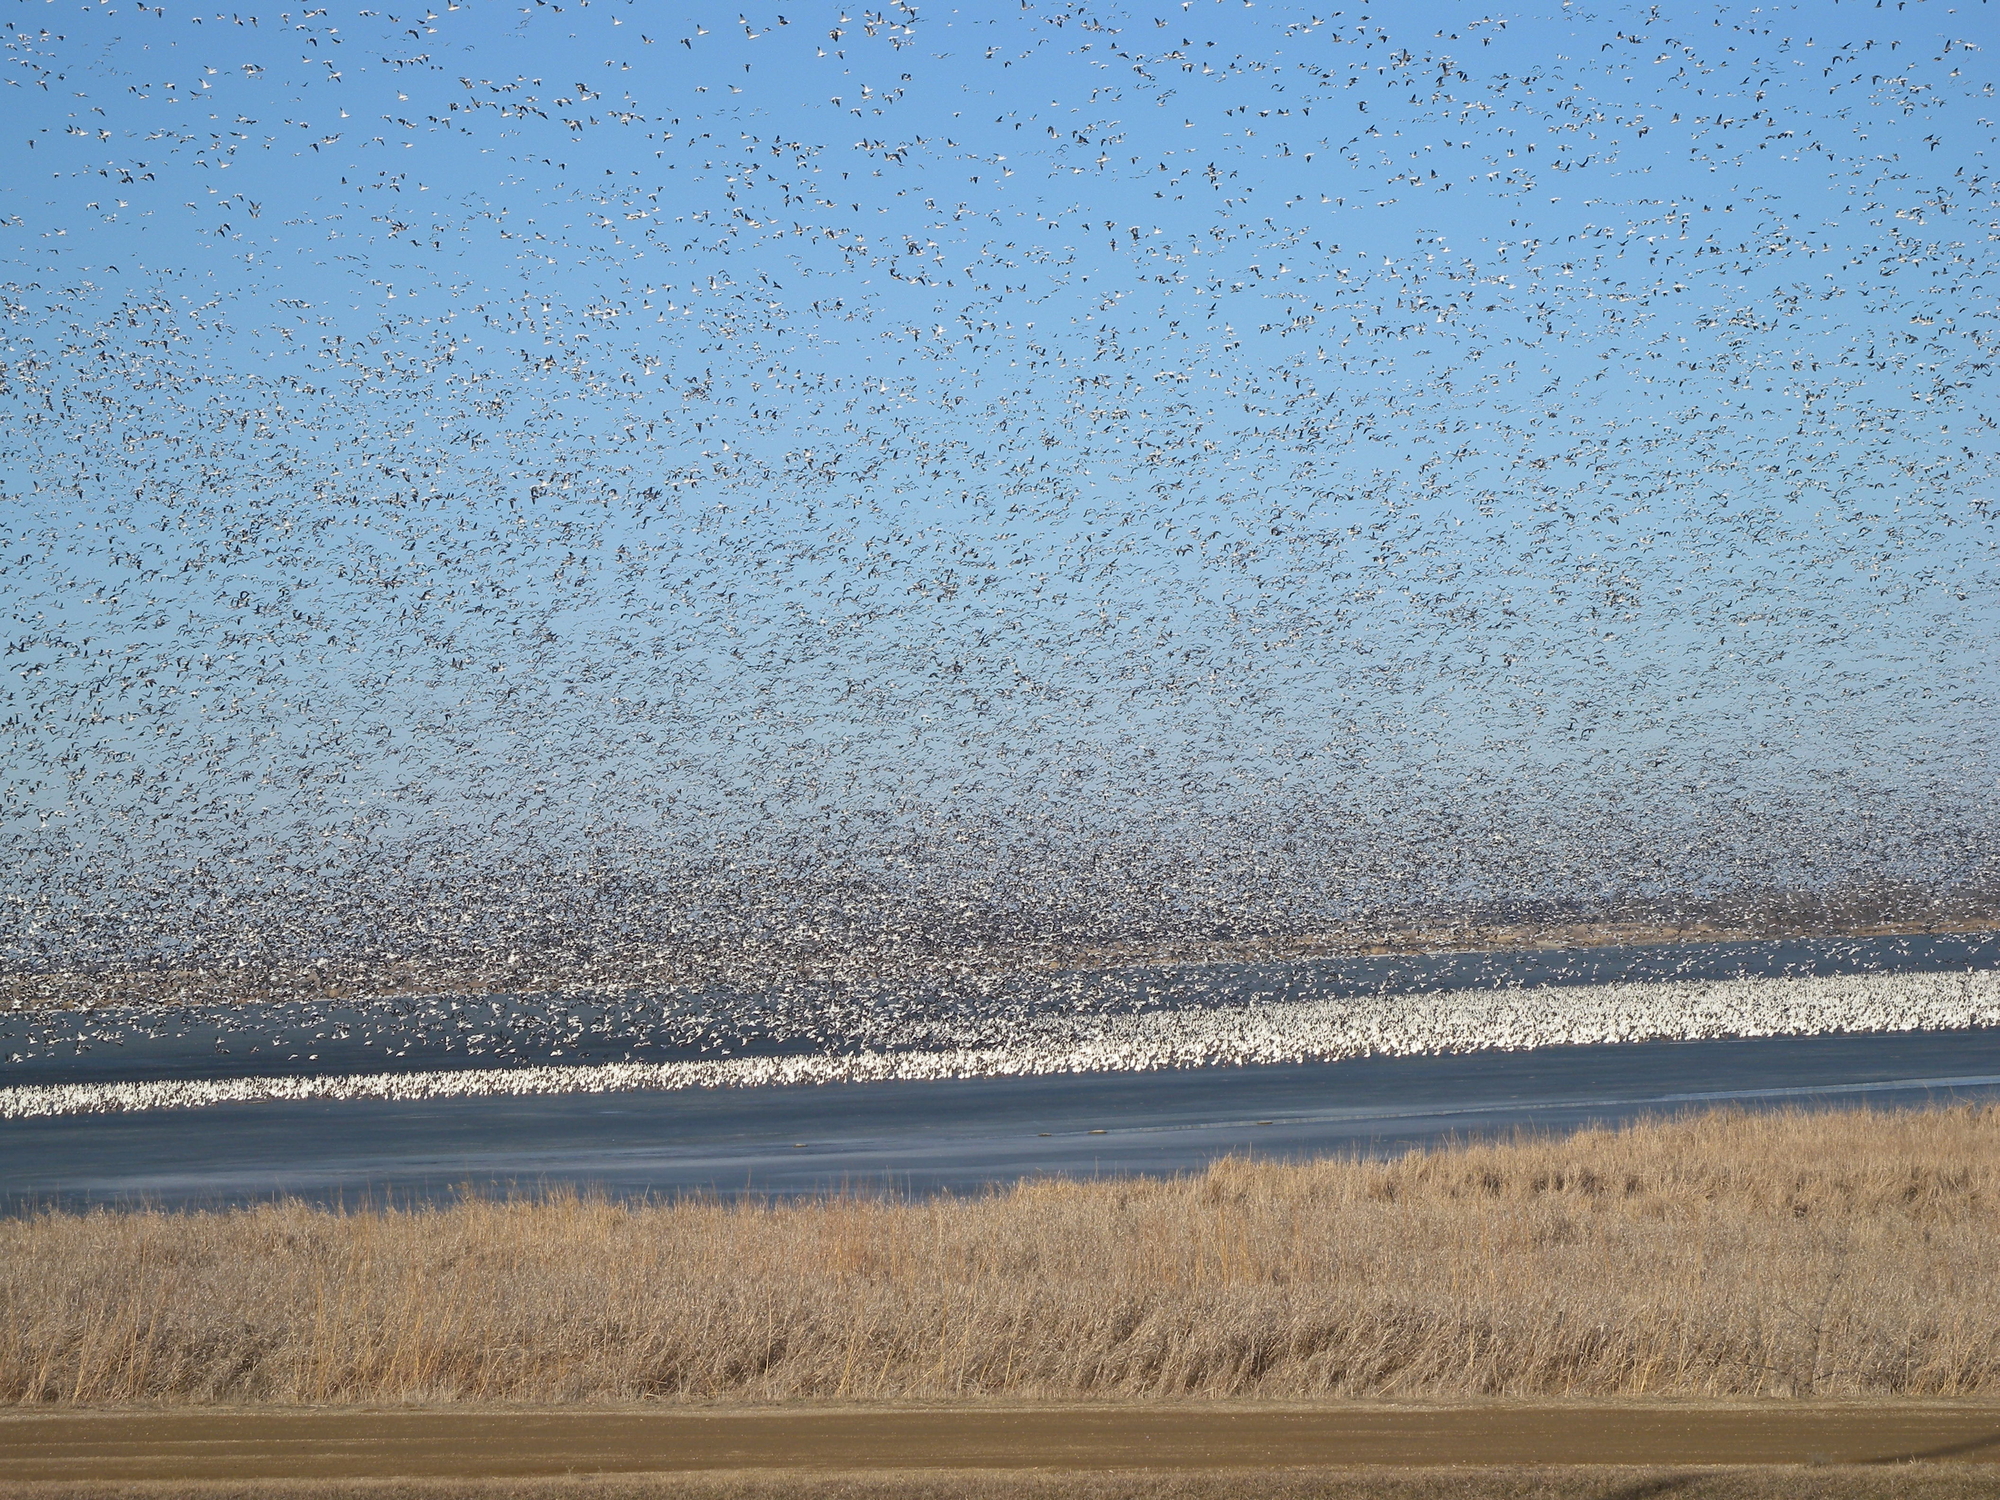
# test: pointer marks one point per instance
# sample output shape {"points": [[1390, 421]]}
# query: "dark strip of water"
{"points": [[947, 1136]]}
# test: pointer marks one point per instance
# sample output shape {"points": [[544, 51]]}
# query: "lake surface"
{"points": [[911, 1136], [956, 1135]]}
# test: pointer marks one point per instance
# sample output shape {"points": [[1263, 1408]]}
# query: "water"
{"points": [[961, 1134]]}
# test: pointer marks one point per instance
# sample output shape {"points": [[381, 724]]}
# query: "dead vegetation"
{"points": [[1718, 1255]]}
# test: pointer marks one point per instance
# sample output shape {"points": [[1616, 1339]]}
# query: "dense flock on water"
{"points": [[1299, 1031]]}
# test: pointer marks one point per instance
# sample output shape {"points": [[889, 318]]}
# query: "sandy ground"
{"points": [[249, 1445]]}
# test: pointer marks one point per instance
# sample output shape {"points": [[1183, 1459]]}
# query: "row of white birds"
{"points": [[1287, 1032]]}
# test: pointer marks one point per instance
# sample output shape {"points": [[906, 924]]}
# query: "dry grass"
{"points": [[1580, 1483], [1718, 1255]]}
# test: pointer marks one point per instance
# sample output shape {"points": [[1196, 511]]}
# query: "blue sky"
{"points": [[1548, 444]]}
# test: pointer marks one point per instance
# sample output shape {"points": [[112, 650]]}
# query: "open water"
{"points": [[919, 1135]]}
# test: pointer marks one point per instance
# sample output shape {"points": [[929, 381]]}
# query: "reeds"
{"points": [[1724, 1254]]}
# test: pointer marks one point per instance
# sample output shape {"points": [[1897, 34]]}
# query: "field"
{"points": [[1717, 1256]]}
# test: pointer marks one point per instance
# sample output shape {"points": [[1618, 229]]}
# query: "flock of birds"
{"points": [[1139, 1041], [773, 510]]}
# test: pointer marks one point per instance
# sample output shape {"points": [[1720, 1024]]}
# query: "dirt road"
{"points": [[465, 1443]]}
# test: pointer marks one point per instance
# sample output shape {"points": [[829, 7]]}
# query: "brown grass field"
{"points": [[1724, 1255]]}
